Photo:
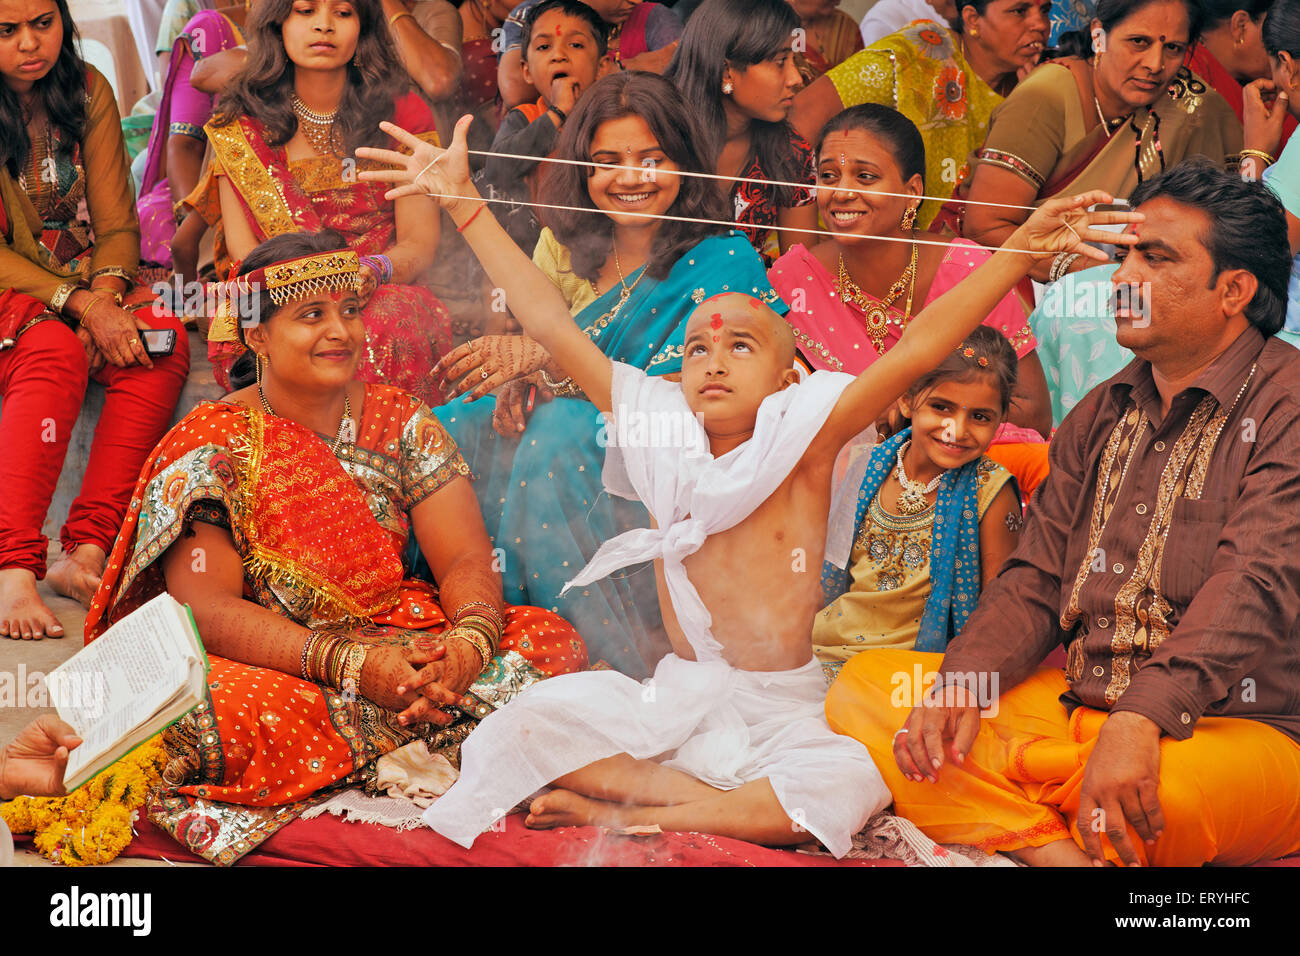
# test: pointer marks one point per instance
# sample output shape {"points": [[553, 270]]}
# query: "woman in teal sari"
{"points": [[631, 281]]}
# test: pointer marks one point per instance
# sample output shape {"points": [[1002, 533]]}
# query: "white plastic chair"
{"points": [[98, 55]]}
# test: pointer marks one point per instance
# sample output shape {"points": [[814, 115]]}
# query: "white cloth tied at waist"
{"points": [[689, 493]]}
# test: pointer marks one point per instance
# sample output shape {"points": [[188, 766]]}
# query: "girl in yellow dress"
{"points": [[933, 519]]}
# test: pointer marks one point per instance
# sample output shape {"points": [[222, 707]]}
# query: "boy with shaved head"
{"points": [[729, 736]]}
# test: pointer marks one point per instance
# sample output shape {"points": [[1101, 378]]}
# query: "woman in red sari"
{"points": [[281, 516], [319, 77]]}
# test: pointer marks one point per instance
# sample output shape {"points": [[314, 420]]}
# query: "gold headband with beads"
{"points": [[335, 271]]}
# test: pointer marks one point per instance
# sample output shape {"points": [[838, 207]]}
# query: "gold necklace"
{"points": [[593, 331], [316, 128], [618, 267], [876, 312], [347, 428]]}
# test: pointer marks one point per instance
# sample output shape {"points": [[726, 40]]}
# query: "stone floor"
{"points": [[29, 660], [26, 661]]}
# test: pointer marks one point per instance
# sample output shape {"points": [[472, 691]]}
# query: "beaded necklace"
{"points": [[317, 128]]}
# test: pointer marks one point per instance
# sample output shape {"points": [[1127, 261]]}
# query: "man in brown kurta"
{"points": [[1164, 552]]}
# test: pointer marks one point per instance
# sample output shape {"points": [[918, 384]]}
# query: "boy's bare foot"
{"points": [[77, 574], [23, 615], [1063, 852], [564, 808]]}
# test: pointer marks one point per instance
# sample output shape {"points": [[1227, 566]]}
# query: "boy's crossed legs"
{"points": [[621, 791]]}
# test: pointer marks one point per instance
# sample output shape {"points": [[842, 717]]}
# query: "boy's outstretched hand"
{"points": [[442, 174], [1065, 225]]}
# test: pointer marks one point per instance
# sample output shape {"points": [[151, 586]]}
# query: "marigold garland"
{"points": [[93, 823]]}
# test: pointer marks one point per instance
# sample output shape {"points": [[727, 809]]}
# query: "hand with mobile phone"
{"points": [[158, 342]]}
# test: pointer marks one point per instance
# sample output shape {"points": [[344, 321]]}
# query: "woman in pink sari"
{"points": [[177, 142], [318, 80], [851, 297]]}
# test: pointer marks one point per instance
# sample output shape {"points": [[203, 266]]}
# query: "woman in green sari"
{"points": [[631, 281], [1127, 114]]}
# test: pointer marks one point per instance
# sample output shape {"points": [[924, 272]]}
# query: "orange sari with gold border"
{"points": [[322, 536]]}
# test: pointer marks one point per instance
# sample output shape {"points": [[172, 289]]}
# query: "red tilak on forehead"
{"points": [[717, 320]]}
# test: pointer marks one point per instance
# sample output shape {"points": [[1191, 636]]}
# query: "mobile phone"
{"points": [[158, 342]]}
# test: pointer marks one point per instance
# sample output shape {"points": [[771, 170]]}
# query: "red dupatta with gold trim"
{"points": [[278, 201], [300, 523]]}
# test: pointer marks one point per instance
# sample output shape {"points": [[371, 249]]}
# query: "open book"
{"points": [[147, 671]]}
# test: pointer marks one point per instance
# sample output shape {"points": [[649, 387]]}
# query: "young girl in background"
{"points": [[736, 68], [933, 519]]}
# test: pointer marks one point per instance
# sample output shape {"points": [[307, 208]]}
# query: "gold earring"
{"points": [[258, 357], [909, 217], [974, 32]]}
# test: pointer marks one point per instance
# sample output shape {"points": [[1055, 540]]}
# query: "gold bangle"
{"points": [[397, 16], [1260, 155], [563, 389], [61, 296], [352, 664], [488, 609], [477, 641], [90, 308], [103, 290]]}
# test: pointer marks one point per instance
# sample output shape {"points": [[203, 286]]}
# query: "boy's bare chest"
{"points": [[780, 540]]}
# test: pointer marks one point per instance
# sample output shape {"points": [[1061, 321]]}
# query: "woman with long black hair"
{"points": [[320, 76], [736, 68], [71, 244], [634, 246]]}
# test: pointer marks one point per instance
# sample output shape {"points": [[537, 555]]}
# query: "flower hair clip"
{"points": [[969, 352]]}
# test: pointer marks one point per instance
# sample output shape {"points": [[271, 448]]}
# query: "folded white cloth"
{"points": [[692, 496], [722, 725]]}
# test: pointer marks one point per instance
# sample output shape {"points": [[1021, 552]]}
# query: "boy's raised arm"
{"points": [[1059, 225], [532, 297]]}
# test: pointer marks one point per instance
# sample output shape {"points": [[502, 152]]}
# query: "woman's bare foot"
{"points": [[564, 808], [23, 615], [77, 574]]}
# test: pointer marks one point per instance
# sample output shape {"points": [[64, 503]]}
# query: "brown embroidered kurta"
{"points": [[1165, 554]]}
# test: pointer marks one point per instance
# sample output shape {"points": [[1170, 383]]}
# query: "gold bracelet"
{"points": [[352, 664], [61, 296], [102, 290], [564, 389], [1260, 155], [397, 16], [477, 641], [491, 612], [90, 308]]}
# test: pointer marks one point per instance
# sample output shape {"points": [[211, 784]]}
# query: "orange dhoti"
{"points": [[1228, 793]]}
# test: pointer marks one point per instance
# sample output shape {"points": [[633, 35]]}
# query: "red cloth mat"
{"points": [[328, 841]]}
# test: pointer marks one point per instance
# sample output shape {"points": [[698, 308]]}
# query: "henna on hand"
{"points": [[488, 362]]}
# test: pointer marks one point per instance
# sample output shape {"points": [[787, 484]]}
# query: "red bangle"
{"points": [[465, 225]]}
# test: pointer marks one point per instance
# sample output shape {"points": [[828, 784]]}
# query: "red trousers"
{"points": [[43, 381]]}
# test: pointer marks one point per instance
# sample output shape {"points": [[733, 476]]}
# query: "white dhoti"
{"points": [[722, 725], [719, 724]]}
